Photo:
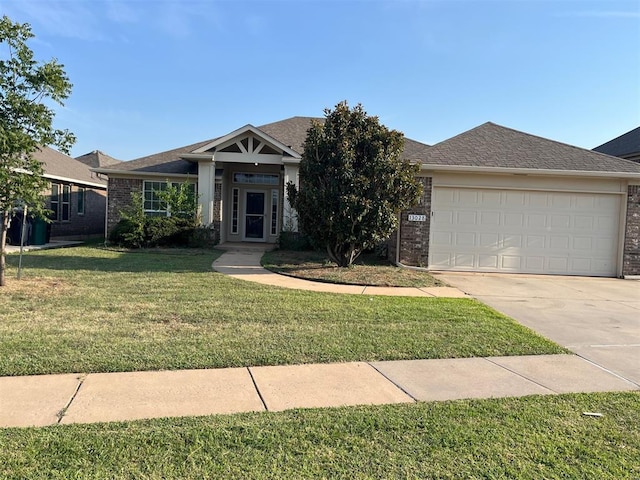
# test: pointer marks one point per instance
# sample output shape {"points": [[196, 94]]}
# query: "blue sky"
{"points": [[151, 75]]}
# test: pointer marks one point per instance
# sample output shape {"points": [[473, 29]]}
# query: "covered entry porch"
{"points": [[242, 180]]}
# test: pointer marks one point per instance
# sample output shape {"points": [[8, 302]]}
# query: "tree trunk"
{"points": [[3, 243], [343, 255]]}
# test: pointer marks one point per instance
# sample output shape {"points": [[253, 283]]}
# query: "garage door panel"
{"points": [[490, 218], [465, 239], [464, 261], [489, 240], [534, 264], [441, 239], [513, 219], [467, 218], [488, 261], [536, 221], [524, 231], [511, 262], [535, 241]]}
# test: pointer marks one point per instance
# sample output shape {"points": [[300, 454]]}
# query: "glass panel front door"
{"points": [[254, 216]]}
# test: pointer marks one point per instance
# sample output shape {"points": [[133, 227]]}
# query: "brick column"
{"points": [[414, 234], [631, 253]]}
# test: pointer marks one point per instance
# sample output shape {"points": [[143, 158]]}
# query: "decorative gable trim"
{"points": [[247, 140]]}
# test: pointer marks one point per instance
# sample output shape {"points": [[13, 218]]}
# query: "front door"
{"points": [[254, 217]]}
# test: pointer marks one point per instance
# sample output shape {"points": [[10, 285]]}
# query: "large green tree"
{"points": [[353, 183], [28, 88]]}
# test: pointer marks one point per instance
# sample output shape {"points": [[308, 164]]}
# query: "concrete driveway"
{"points": [[597, 318]]}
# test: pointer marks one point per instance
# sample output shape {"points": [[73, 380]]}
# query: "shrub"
{"points": [[128, 234], [203, 237], [294, 241]]}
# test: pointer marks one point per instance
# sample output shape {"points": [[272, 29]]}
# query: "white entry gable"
{"points": [[247, 145]]}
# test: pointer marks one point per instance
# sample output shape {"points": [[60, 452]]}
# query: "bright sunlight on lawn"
{"points": [[88, 309], [511, 438]]}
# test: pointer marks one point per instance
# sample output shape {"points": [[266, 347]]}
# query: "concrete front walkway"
{"points": [[104, 397], [245, 265]]}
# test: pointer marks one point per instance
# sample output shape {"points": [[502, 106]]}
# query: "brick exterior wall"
{"points": [[414, 236], [81, 225], [120, 197], [631, 254]]}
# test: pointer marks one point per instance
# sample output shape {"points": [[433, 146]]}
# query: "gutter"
{"points": [[75, 181], [137, 173], [526, 171]]}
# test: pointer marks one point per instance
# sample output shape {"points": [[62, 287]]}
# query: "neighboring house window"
{"points": [[55, 201], [274, 212], [82, 194], [234, 210], [65, 204], [256, 178], [153, 205]]}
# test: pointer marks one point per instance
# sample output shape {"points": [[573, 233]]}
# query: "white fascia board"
{"points": [[525, 171], [75, 181], [136, 174], [243, 130], [198, 157], [290, 161]]}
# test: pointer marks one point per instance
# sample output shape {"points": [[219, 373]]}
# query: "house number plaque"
{"points": [[417, 218]]}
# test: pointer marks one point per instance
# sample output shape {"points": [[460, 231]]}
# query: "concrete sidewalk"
{"points": [[245, 265], [104, 397]]}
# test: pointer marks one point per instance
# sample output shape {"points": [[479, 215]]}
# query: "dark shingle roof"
{"points": [[291, 132], [625, 145], [98, 159], [494, 146], [59, 165], [165, 162]]}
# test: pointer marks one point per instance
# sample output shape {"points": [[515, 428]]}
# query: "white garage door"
{"points": [[524, 231]]}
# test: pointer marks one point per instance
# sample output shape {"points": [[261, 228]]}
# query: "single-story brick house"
{"points": [[76, 196], [495, 199]]}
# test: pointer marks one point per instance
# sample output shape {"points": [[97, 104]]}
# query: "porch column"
{"points": [[206, 190], [289, 214]]}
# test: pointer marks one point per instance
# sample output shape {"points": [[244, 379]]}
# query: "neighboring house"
{"points": [[76, 196], [625, 146], [495, 199], [97, 159]]}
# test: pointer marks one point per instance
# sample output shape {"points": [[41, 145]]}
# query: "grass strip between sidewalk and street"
{"points": [[515, 438], [87, 309]]}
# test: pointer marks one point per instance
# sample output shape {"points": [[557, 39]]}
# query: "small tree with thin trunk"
{"points": [[27, 88], [353, 183]]}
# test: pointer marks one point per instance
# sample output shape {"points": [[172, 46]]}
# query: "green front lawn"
{"points": [[88, 309], [519, 438]]}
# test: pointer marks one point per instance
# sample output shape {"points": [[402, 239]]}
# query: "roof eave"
{"points": [[75, 181], [138, 174], [526, 171]]}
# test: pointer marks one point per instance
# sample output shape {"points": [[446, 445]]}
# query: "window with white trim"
{"points": [[82, 195], [274, 212], [234, 210], [153, 204], [256, 178], [65, 204], [55, 201]]}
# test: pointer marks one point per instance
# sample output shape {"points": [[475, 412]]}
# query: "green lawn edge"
{"points": [[511, 438]]}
